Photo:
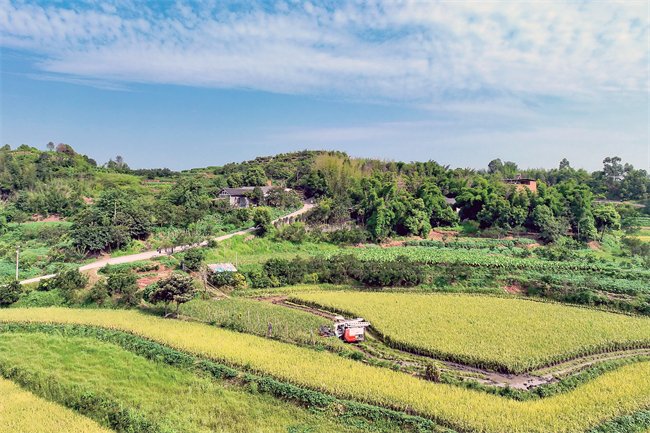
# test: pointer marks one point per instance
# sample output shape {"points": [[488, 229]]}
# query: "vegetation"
{"points": [[152, 389], [510, 335], [601, 400], [26, 413]]}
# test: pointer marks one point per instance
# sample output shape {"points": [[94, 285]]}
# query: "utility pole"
{"points": [[17, 257]]}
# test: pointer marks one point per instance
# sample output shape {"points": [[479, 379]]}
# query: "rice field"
{"points": [[510, 335], [613, 394], [22, 411], [175, 399]]}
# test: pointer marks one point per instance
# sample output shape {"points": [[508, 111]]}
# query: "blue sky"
{"points": [[183, 84]]}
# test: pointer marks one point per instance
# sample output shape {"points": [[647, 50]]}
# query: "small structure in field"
{"points": [[222, 267], [521, 183]]}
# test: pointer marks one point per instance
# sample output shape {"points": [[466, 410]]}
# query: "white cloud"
{"points": [[395, 51]]}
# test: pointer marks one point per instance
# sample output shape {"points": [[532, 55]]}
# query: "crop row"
{"points": [[472, 243], [467, 257], [609, 396]]}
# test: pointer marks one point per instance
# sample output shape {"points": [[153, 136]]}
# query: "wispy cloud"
{"points": [[417, 52]]}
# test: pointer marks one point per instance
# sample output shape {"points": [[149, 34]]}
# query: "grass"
{"points": [[511, 335], [22, 411], [172, 397], [611, 395], [260, 250]]}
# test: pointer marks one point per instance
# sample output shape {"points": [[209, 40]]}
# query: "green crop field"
{"points": [[22, 411], [613, 394], [478, 258], [176, 400], [504, 334]]}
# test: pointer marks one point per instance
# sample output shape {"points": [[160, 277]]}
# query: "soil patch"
{"points": [[43, 219], [594, 245]]}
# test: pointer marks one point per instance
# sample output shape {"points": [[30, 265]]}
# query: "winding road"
{"points": [[151, 254]]}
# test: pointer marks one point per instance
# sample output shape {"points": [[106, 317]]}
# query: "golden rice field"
{"points": [[22, 411], [613, 394], [499, 333]]}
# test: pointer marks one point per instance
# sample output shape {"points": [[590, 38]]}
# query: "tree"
{"points": [[495, 166], [10, 292], [614, 170], [235, 180], [68, 282], [255, 176], [177, 288], [262, 220], [606, 218], [193, 259], [564, 164], [50, 146], [119, 161], [19, 217]]}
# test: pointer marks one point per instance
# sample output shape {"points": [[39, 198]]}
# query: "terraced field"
{"points": [[171, 399], [624, 391], [509, 335]]}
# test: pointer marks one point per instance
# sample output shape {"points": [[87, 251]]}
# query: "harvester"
{"points": [[350, 331]]}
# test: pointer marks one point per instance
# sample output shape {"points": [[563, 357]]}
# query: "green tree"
{"points": [[177, 288], [235, 180], [193, 259], [69, 282], [255, 176], [606, 218], [262, 220], [10, 292]]}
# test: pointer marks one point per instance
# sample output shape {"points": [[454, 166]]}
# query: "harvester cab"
{"points": [[351, 331]]}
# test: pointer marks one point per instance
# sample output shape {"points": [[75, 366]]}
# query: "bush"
{"points": [[10, 292], [68, 282], [193, 258]]}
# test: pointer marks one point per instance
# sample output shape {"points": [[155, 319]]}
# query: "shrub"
{"points": [[193, 258], [10, 292]]}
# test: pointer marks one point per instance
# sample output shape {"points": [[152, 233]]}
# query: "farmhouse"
{"points": [[521, 183], [238, 197]]}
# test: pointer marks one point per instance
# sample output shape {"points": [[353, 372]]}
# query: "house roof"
{"points": [[222, 267], [517, 180], [450, 201], [240, 191]]}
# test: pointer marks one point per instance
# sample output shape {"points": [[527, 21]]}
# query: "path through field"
{"points": [[151, 254], [524, 381]]}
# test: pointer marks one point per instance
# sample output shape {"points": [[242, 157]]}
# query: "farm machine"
{"points": [[348, 330]]}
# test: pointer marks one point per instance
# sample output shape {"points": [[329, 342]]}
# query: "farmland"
{"points": [[623, 391], [504, 334], [24, 412], [151, 389]]}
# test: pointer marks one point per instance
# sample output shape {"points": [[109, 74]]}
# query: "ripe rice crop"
{"points": [[511, 335], [22, 411], [620, 392]]}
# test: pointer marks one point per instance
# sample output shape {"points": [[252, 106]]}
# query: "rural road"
{"points": [[150, 254]]}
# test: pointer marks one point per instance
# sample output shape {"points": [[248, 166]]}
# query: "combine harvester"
{"points": [[350, 331]]}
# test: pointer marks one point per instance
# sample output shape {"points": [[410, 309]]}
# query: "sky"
{"points": [[193, 84]]}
